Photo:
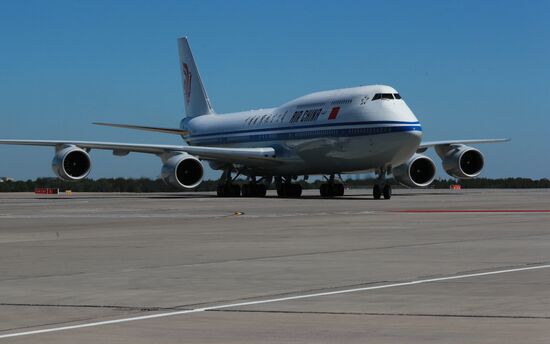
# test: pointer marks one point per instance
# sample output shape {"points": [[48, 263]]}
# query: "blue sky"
{"points": [[468, 69]]}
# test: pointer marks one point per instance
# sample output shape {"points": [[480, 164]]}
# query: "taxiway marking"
{"points": [[280, 299], [473, 211]]}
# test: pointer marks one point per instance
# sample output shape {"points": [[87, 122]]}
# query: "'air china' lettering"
{"points": [[305, 116]]}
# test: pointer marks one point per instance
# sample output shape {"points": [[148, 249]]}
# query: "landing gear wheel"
{"points": [[376, 192], [338, 190], [253, 190], [220, 191], [245, 190], [331, 190], [387, 191], [228, 190], [325, 190], [289, 190], [297, 192], [261, 190], [236, 190]]}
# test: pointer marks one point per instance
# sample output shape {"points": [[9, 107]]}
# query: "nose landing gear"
{"points": [[381, 188]]}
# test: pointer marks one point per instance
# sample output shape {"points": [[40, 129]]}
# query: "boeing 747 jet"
{"points": [[358, 129]]}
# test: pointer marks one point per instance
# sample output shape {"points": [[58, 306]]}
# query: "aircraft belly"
{"points": [[358, 153], [337, 154]]}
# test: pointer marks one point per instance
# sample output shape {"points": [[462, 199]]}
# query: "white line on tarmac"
{"points": [[281, 299]]}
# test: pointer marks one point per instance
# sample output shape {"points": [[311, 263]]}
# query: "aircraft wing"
{"points": [[425, 145], [231, 155]]}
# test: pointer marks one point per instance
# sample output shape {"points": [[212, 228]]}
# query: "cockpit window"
{"points": [[397, 96], [383, 96]]}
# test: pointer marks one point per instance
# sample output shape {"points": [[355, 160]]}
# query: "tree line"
{"points": [[158, 185]]}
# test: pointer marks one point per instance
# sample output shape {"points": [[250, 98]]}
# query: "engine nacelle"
{"points": [[71, 163], [183, 171], [418, 171], [462, 161]]}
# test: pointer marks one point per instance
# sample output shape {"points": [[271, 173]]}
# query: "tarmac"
{"points": [[427, 266]]}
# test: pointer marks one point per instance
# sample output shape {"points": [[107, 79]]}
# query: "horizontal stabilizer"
{"points": [[146, 128]]}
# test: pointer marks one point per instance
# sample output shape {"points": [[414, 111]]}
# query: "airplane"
{"points": [[328, 133]]}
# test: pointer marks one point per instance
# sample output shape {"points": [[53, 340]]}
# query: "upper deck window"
{"points": [[341, 102], [383, 96], [310, 105]]}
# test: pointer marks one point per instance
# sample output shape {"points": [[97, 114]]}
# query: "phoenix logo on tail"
{"points": [[187, 82]]}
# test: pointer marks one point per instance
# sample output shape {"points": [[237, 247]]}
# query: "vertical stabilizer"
{"points": [[195, 97]]}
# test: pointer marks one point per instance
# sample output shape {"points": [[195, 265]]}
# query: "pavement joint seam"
{"points": [[283, 256], [288, 293], [138, 308], [95, 318], [443, 315]]}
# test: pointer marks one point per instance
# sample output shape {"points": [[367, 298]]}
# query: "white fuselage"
{"points": [[326, 132]]}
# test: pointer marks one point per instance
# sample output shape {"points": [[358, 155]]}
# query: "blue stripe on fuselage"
{"points": [[307, 126], [305, 134]]}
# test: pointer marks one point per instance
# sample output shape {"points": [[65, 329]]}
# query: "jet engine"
{"points": [[183, 171], [461, 161], [418, 171], [71, 163]]}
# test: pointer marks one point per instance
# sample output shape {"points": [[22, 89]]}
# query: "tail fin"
{"points": [[196, 99]]}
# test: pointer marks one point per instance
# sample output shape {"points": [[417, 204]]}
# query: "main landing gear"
{"points": [[286, 189], [381, 188], [226, 187], [331, 189], [254, 189]]}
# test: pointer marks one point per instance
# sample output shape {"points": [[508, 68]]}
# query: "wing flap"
{"points": [[425, 145]]}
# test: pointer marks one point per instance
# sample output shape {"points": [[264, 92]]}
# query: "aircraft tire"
{"points": [[324, 190], [281, 190], [331, 190], [261, 190], [297, 190], [253, 190], [289, 190], [387, 191], [235, 190], [376, 192], [228, 190], [338, 190]]}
